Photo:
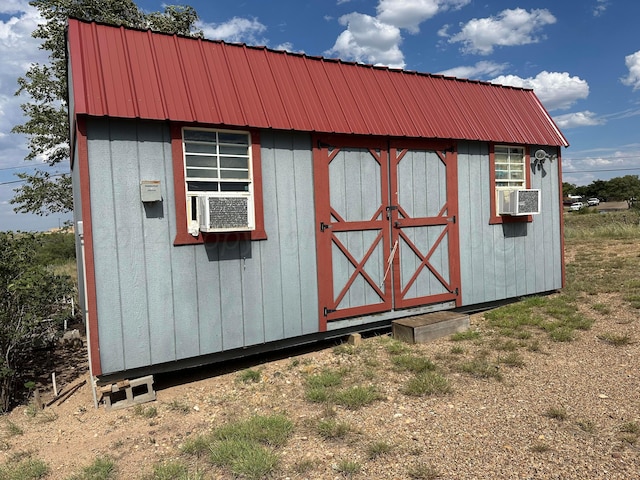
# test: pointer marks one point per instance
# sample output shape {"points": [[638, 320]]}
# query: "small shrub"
{"points": [[172, 471], [396, 347], [249, 376], [561, 334], [631, 427], [377, 449], [601, 308], [244, 457], [146, 412], [556, 413], [26, 469], [304, 466], [179, 406], [348, 467], [317, 395], [540, 447], [513, 359], [481, 368], [615, 339], [356, 397], [332, 429], [413, 363], [345, 349], [197, 446], [427, 383], [102, 468], [12, 429], [423, 471], [271, 430], [326, 378]]}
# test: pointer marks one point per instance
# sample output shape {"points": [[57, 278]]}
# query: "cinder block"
{"points": [[125, 393], [424, 328], [355, 339]]}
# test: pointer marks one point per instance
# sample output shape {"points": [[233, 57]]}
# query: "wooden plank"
{"points": [[305, 221], [110, 329], [155, 164], [129, 253]]}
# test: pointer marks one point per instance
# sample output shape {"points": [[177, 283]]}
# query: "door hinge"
{"points": [[324, 226], [327, 311]]}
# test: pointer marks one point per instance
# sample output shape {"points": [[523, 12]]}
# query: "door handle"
{"points": [[397, 225]]}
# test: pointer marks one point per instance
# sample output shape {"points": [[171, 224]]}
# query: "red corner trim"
{"points": [[89, 265], [183, 237], [562, 265], [494, 218]]}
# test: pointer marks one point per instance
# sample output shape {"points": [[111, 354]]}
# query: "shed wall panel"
{"points": [[158, 302], [512, 259]]}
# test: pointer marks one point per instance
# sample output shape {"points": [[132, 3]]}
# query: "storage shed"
{"points": [[233, 199]]}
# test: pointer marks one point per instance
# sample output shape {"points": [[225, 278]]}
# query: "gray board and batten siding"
{"points": [[158, 303], [508, 260], [161, 303]]}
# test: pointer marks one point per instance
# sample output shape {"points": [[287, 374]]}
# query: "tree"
{"points": [[31, 308], [46, 85], [568, 189], [624, 188]]}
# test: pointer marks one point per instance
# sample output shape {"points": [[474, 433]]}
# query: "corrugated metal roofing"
{"points": [[120, 72]]}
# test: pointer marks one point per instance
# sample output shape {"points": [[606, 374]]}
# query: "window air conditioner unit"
{"points": [[231, 212], [518, 202]]}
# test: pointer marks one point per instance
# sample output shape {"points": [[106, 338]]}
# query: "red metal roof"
{"points": [[125, 73]]}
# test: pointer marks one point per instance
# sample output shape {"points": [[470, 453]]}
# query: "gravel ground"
{"points": [[484, 429]]}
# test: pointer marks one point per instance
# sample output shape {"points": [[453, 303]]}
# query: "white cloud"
{"points": [[578, 119], [18, 50], [377, 40], [479, 70], [410, 14], [633, 64], [556, 90], [368, 40], [600, 8], [508, 28], [11, 7], [235, 30]]}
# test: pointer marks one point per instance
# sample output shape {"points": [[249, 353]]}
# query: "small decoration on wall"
{"points": [[537, 163]]}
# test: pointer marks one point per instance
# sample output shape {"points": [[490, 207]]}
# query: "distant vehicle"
{"points": [[592, 202], [576, 206]]}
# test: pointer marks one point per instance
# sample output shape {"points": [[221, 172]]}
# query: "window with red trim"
{"points": [[217, 182], [507, 171]]}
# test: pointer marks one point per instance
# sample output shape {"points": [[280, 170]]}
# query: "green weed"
{"points": [[102, 468], [356, 397], [332, 429], [427, 383], [348, 467]]}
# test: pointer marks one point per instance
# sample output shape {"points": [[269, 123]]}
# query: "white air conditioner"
{"points": [[518, 202], [230, 212]]}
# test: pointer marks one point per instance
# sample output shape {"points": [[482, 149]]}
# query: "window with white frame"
{"points": [[509, 165], [218, 178]]}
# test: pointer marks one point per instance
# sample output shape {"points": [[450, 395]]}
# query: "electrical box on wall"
{"points": [[150, 191]]}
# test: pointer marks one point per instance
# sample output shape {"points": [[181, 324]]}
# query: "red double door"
{"points": [[387, 231]]}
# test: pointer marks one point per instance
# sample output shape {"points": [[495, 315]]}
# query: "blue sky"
{"points": [[581, 58]]}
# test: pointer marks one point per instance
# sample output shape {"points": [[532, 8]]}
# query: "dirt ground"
{"points": [[484, 429]]}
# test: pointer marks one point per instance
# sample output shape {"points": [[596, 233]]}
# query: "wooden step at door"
{"points": [[430, 326]]}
